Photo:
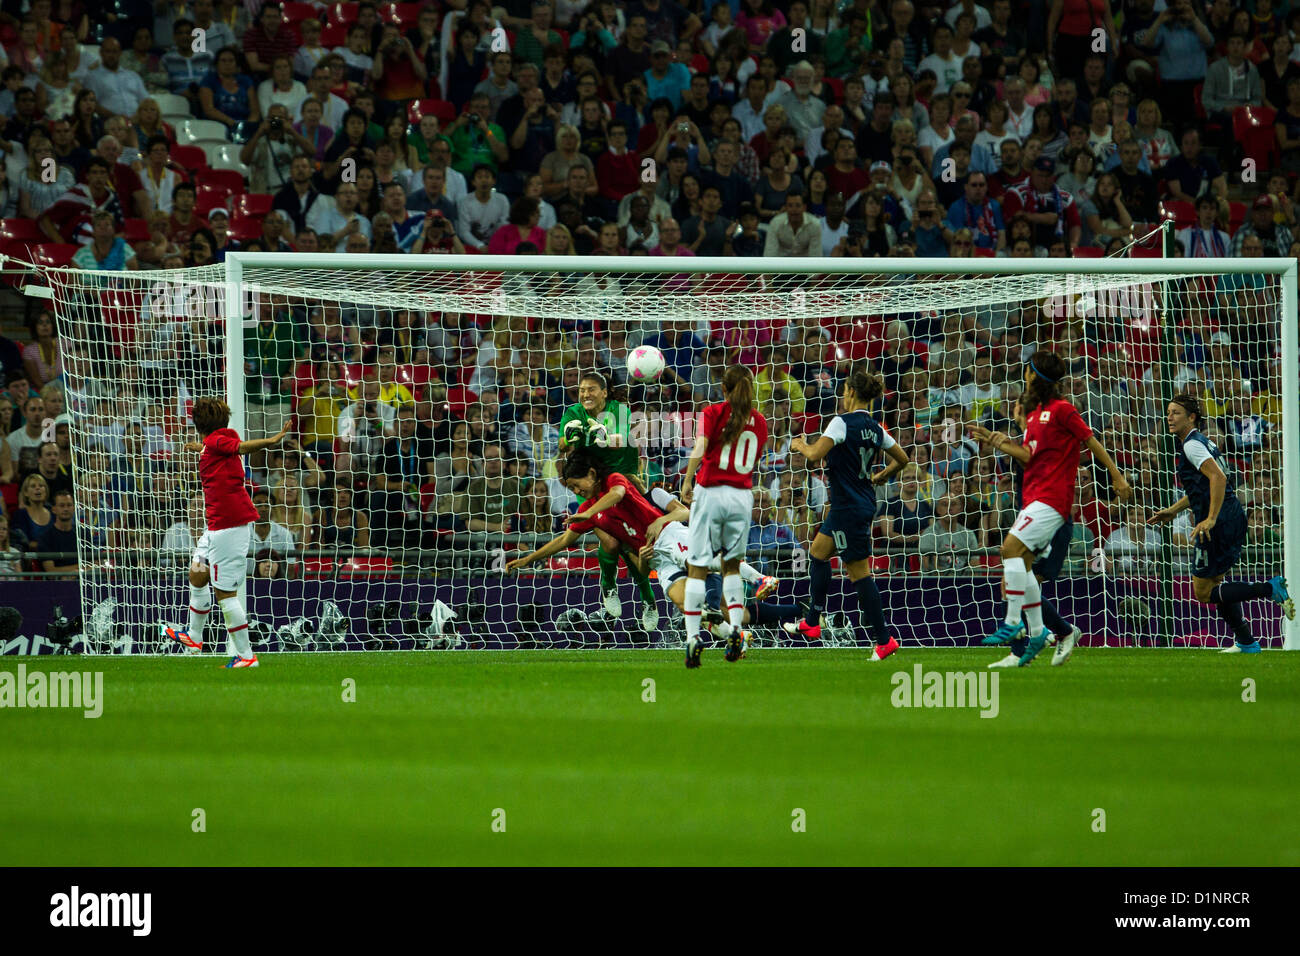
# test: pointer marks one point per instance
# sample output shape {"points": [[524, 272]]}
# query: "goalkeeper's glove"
{"points": [[597, 434], [575, 433]]}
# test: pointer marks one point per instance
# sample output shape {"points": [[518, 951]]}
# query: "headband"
{"points": [[1038, 373]]}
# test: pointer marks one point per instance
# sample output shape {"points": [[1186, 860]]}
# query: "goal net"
{"points": [[426, 394]]}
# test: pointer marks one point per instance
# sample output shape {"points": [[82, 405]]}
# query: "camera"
{"points": [[683, 127], [473, 118], [275, 124]]}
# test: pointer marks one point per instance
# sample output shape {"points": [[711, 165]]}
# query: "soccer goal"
{"points": [[426, 393]]}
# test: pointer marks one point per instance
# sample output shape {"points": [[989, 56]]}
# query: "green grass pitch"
{"points": [[712, 772]]}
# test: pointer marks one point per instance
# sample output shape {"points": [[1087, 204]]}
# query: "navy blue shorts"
{"points": [[1049, 566], [850, 531], [1223, 550]]}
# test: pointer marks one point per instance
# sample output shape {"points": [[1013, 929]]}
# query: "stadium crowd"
{"points": [[753, 128]]}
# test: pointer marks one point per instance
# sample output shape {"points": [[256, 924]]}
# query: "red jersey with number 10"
{"points": [[731, 464], [221, 473], [628, 520], [1053, 434]]}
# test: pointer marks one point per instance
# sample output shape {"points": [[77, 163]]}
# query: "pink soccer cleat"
{"points": [[881, 651]]}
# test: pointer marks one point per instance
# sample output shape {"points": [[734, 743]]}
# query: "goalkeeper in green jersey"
{"points": [[603, 427]]}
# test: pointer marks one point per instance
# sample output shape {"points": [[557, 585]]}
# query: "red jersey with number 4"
{"points": [[221, 472], [732, 464], [628, 520], [1053, 435]]}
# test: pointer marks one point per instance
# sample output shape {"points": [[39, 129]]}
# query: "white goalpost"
{"points": [[426, 392]]}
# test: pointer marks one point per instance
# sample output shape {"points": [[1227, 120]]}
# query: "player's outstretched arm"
{"points": [[692, 466], [898, 460], [554, 546], [1000, 443], [1168, 514], [606, 501], [1123, 490], [257, 444], [814, 452]]}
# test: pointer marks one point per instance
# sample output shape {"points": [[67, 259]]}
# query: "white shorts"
{"points": [[669, 558], [225, 552], [1036, 525], [720, 520]]}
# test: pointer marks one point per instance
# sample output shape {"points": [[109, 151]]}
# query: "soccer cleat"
{"points": [[613, 605], [735, 645], [181, 637], [1282, 596], [694, 648], [649, 617], [1011, 660], [1036, 644], [800, 628], [766, 586], [1065, 647], [1235, 648], [1005, 634], [881, 651], [242, 662]]}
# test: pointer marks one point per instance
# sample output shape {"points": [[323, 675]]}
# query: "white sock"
{"points": [[237, 626], [749, 573], [200, 605], [1014, 574], [733, 596], [692, 604], [1033, 605]]}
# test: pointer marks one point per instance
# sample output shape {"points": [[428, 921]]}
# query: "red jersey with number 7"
{"points": [[1053, 434], [221, 473], [734, 463]]}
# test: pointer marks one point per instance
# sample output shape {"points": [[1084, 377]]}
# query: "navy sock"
{"points": [[1232, 614], [1233, 592], [1019, 646], [869, 603], [820, 576], [1054, 621], [764, 612]]}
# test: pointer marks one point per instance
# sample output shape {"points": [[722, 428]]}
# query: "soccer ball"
{"points": [[645, 363]]}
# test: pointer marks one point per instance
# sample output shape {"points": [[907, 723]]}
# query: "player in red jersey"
{"points": [[1050, 456], [222, 551], [728, 443]]}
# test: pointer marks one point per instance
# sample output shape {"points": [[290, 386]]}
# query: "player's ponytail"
{"points": [[865, 386], [1046, 386], [1190, 404], [738, 386]]}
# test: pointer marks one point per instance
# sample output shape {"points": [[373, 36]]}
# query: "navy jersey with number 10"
{"points": [[859, 440]]}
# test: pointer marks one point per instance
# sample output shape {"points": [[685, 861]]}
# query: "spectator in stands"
{"points": [[33, 517], [221, 30], [186, 67], [1274, 239], [281, 87], [793, 232], [48, 467], [489, 500], [1205, 239], [335, 220], [270, 151], [977, 212], [106, 251], [182, 537], [484, 211], [30, 435], [11, 564], [474, 140], [1050, 211], [342, 524], [227, 95], [271, 548], [298, 197], [118, 90], [160, 176], [521, 226], [946, 545], [60, 538], [1230, 82], [267, 39], [35, 194], [289, 510]]}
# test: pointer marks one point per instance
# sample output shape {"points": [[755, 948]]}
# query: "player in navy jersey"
{"points": [[728, 444], [1220, 530], [222, 552], [1046, 568], [851, 444], [1050, 454]]}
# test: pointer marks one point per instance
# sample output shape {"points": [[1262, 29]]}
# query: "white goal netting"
{"points": [[427, 404]]}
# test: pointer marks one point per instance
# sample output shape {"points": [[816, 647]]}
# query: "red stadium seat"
{"points": [[366, 568], [296, 11], [979, 252], [1182, 212], [251, 204], [317, 567], [21, 229], [1089, 252], [120, 311], [135, 230], [1145, 252], [334, 35], [242, 228], [1252, 127], [210, 198], [445, 111], [191, 158], [837, 87], [343, 12], [231, 180], [55, 254], [1236, 216], [404, 13]]}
